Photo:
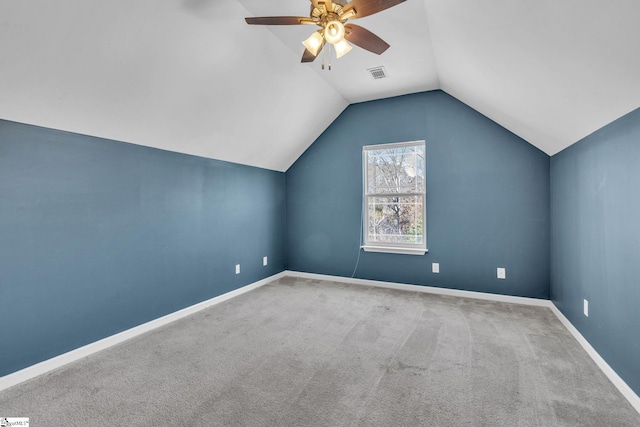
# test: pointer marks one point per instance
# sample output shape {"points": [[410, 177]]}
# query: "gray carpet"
{"points": [[308, 353]]}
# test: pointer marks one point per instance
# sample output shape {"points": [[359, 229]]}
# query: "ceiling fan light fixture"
{"points": [[331, 16], [342, 48], [314, 43], [334, 32]]}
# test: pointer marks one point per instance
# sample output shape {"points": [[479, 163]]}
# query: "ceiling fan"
{"points": [[331, 16]]}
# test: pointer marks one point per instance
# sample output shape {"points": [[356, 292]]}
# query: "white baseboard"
{"points": [[425, 289], [89, 349], [618, 382], [622, 386], [77, 354]]}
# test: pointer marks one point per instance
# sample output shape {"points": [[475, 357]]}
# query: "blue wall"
{"points": [[595, 241], [487, 199], [98, 236]]}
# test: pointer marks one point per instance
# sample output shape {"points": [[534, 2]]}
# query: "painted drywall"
{"points": [[98, 236], [487, 199], [595, 241]]}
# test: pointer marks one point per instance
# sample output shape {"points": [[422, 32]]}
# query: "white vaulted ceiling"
{"points": [[191, 76]]}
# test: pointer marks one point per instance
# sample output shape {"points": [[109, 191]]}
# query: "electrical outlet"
{"points": [[264, 260], [237, 268], [502, 273], [435, 267], [586, 308]]}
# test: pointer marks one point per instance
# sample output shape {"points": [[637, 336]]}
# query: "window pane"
{"points": [[395, 219], [395, 170]]}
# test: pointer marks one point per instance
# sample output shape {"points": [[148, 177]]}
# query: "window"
{"points": [[394, 198]]}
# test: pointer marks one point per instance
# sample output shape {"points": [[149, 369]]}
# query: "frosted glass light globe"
{"points": [[334, 32]]}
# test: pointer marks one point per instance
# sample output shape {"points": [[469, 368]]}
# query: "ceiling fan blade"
{"points": [[364, 8], [365, 39], [307, 56], [279, 20]]}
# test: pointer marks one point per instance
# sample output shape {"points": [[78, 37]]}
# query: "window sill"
{"points": [[395, 250]]}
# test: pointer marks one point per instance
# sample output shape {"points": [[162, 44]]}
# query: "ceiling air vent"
{"points": [[378, 73]]}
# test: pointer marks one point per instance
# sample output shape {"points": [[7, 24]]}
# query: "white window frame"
{"points": [[395, 247]]}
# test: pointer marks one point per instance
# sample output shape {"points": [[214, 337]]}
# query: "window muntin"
{"points": [[394, 197]]}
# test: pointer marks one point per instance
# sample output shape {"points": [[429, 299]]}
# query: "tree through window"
{"points": [[394, 197]]}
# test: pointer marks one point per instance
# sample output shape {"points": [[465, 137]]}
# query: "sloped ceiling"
{"points": [[551, 71], [190, 76]]}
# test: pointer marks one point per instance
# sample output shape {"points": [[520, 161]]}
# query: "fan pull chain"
{"points": [[324, 54]]}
